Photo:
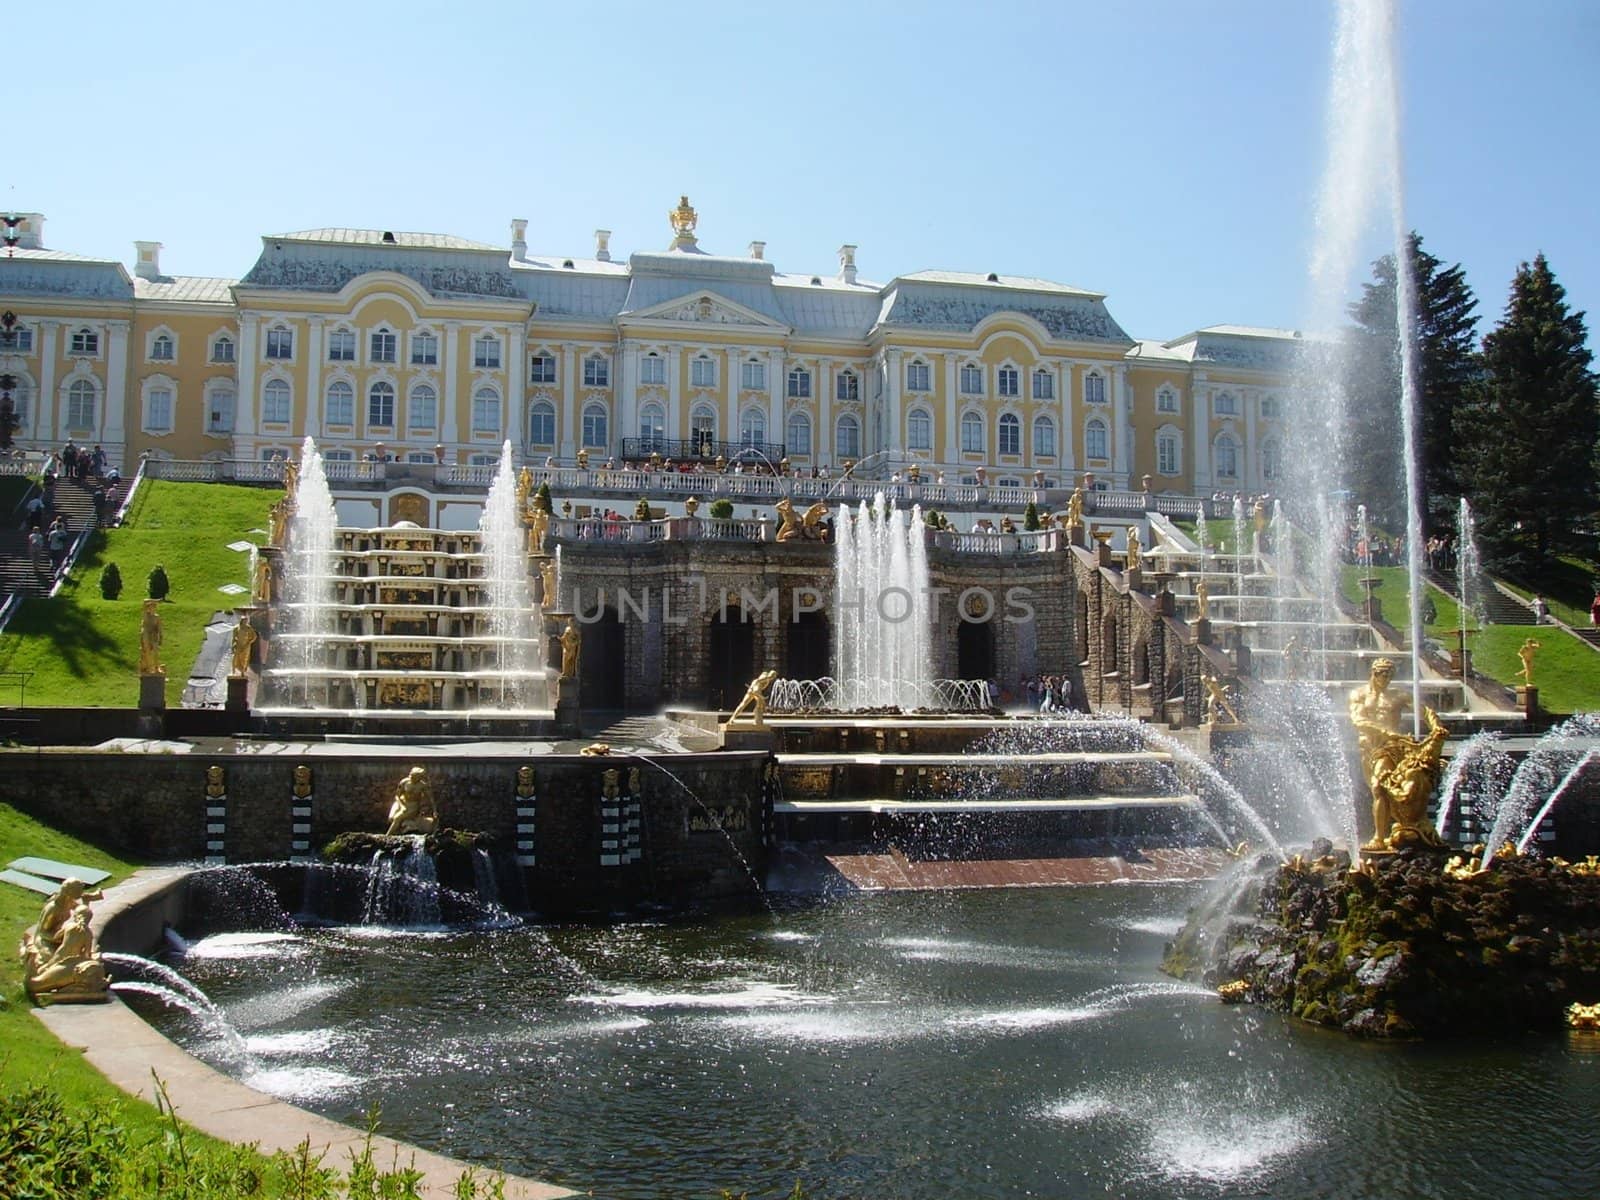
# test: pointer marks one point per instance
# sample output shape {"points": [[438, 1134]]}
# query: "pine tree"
{"points": [[1444, 333], [1526, 436]]}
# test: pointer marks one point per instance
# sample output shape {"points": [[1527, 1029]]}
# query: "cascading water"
{"points": [[1468, 570], [882, 639], [308, 579], [511, 626]]}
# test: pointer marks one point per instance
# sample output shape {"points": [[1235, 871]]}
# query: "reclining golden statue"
{"points": [[412, 810], [59, 960]]}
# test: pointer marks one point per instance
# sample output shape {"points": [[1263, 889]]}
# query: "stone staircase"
{"points": [[73, 499]]}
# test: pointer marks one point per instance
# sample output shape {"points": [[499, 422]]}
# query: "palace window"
{"points": [[339, 403], [158, 410], [919, 429], [1167, 448], [1094, 440], [80, 405], [652, 424], [596, 371], [275, 403], [847, 386], [342, 345], [18, 341], [424, 350], [1227, 405], [384, 345], [799, 434], [162, 349], [1269, 408], [799, 384], [595, 434], [919, 377], [380, 405], [486, 411], [424, 407], [971, 433], [1167, 401], [338, 456], [1044, 385], [971, 379], [1094, 388], [1010, 434], [280, 342], [703, 429], [1006, 381], [1044, 437], [542, 423], [652, 368], [222, 350], [420, 457], [220, 403], [752, 427], [1227, 457], [752, 377], [1271, 462], [703, 372], [486, 353], [21, 399], [84, 341], [847, 438], [542, 368]]}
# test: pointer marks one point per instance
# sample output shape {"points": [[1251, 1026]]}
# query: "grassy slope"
{"points": [[84, 650]]}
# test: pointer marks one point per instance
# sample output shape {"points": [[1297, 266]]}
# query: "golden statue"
{"points": [[244, 641], [611, 783], [150, 640], [538, 528], [524, 489], [59, 960], [547, 575], [755, 699], [633, 783], [302, 781], [683, 219], [1525, 653], [525, 782], [412, 810], [1583, 1016], [1259, 513], [1291, 658], [216, 782], [1235, 991], [571, 645], [1074, 518], [1219, 710], [1202, 598], [583, 460], [1135, 551], [278, 522], [264, 579], [291, 478], [595, 750], [1375, 712], [1401, 791], [798, 527]]}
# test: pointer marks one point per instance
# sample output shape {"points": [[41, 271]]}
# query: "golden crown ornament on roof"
{"points": [[683, 218]]}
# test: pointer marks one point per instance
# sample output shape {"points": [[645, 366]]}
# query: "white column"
{"points": [[625, 414], [952, 417], [312, 409], [777, 386], [569, 402], [825, 375], [1202, 438], [1067, 445], [675, 429], [732, 378], [1249, 470], [449, 366], [894, 432], [516, 389], [45, 407], [1121, 425], [244, 416], [112, 420]]}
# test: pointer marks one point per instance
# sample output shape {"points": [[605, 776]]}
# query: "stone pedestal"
{"points": [[564, 700], [745, 735], [1134, 578], [238, 693], [1202, 631], [152, 692], [1528, 701]]}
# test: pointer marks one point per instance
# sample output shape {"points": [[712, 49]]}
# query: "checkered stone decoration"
{"points": [[300, 803], [621, 819], [527, 839], [216, 822]]}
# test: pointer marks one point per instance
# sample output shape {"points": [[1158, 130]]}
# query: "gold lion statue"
{"points": [[798, 527], [413, 810]]}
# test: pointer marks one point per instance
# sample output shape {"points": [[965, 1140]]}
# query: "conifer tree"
{"points": [[1527, 433]]}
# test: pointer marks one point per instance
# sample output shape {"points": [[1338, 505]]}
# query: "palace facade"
{"points": [[428, 347]]}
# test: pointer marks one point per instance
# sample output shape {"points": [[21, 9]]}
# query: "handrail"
{"points": [[9, 609]]}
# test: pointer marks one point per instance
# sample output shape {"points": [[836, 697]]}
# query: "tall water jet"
{"points": [[881, 640], [308, 578], [516, 636]]}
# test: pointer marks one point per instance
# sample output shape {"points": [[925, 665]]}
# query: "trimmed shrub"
{"points": [[159, 585], [722, 510], [110, 581]]}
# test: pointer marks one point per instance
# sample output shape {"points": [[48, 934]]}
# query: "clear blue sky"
{"points": [[1166, 152]]}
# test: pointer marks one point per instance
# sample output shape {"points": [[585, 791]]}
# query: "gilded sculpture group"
{"points": [[59, 960], [1401, 772]]}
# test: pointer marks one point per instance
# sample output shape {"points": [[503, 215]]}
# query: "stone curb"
{"points": [[126, 1051]]}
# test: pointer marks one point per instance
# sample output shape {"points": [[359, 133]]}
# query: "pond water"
{"points": [[976, 1044]]}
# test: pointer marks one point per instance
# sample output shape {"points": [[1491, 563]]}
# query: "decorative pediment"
{"points": [[705, 308]]}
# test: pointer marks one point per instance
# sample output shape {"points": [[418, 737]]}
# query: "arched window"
{"points": [[1271, 462], [280, 342], [752, 376], [424, 407], [596, 371], [972, 438], [595, 433], [652, 369], [1044, 437], [800, 383], [846, 386], [1010, 434], [752, 427], [847, 438], [22, 400], [652, 425], [1044, 385], [80, 404], [486, 352], [341, 345], [380, 405], [1006, 381], [275, 403], [222, 350], [424, 349], [1227, 404], [1169, 451], [84, 341], [971, 379], [1269, 408], [1094, 440], [1094, 388], [703, 430], [340, 404], [799, 434], [919, 377], [542, 423], [162, 349], [1227, 456], [1167, 401], [702, 371], [919, 429], [383, 345], [157, 415], [220, 403], [486, 410]]}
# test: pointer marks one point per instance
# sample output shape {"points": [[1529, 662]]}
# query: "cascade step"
{"points": [[1047, 804]]}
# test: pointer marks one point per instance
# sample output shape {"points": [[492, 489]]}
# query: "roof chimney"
{"points": [[758, 249], [519, 240], [602, 245], [147, 260], [25, 230], [847, 263]]}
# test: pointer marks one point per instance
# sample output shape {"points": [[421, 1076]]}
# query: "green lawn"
{"points": [[84, 650]]}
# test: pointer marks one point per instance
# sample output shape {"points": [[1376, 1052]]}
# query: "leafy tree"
{"points": [[1030, 516], [1446, 365], [1526, 435], [111, 581], [159, 586], [541, 498]]}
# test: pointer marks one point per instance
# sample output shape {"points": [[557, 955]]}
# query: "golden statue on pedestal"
{"points": [[264, 579], [755, 699], [798, 527], [244, 641], [1202, 599], [1525, 653], [150, 640], [1400, 792], [412, 810], [571, 646], [1219, 709], [1135, 550], [60, 962], [547, 577], [1074, 519]]}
